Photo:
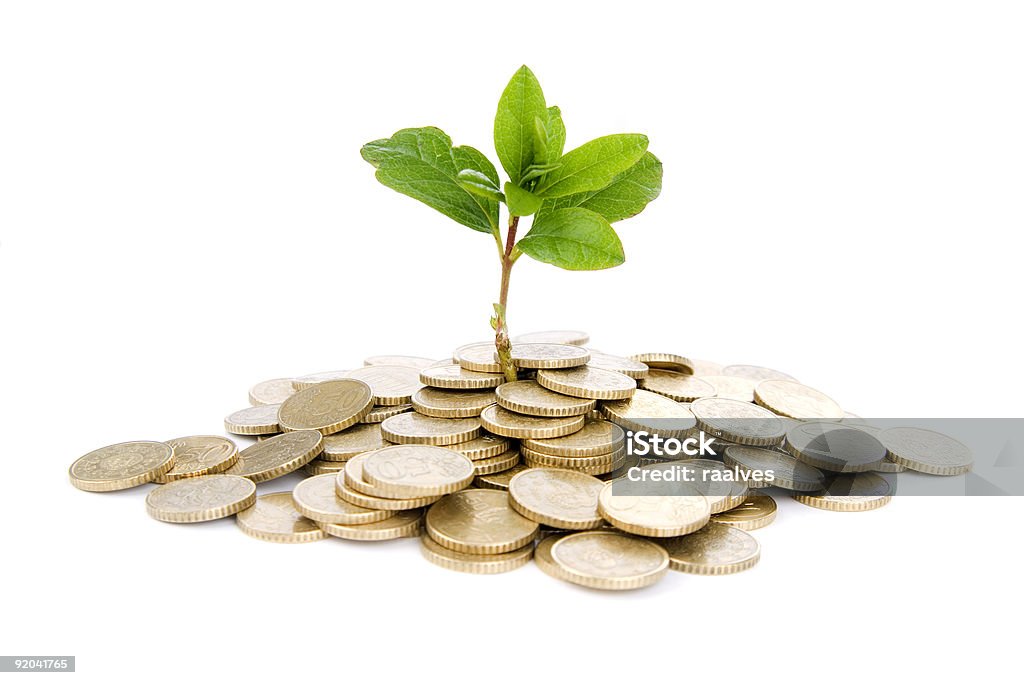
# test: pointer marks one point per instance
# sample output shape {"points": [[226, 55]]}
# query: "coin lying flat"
{"points": [[452, 404], [404, 524], [199, 455], [121, 466], [406, 471], [379, 412], [202, 498], [474, 563], [757, 511], [739, 422], [454, 377], [319, 467], [732, 387], [276, 456], [258, 420], [756, 373], [477, 357], [303, 382], [649, 411], [604, 560], [274, 518], [417, 429], [621, 468], [623, 365], [483, 447], [327, 407], [713, 479], [703, 367], [399, 360], [529, 397], [547, 356], [363, 437], [513, 425], [391, 385], [557, 497], [588, 383], [789, 398], [787, 471], [665, 360], [597, 437], [315, 499], [554, 337], [849, 492], [502, 462], [927, 451], [479, 522], [835, 447], [499, 480], [677, 386], [572, 463], [714, 550], [660, 516], [595, 469], [350, 486], [274, 391]]}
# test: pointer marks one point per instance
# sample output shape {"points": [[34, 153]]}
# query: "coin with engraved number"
{"points": [[454, 377], [276, 456], [656, 515], [452, 404], [651, 412], [557, 497], [202, 498], [677, 386], [350, 486], [554, 337], [315, 498], [379, 412], [363, 437], [274, 518], [731, 387], [665, 360], [274, 391], [391, 385], [786, 471], [597, 437], [479, 521], [849, 492], [757, 511], [474, 563], [121, 466], [623, 365], [477, 357], [514, 425], [737, 421], [499, 480], [756, 373], [303, 382], [502, 462], [927, 451], [416, 429], [588, 383], [714, 550], [327, 407], [483, 447], [405, 471], [258, 420], [399, 360], [404, 524], [199, 455], [604, 560], [835, 447], [789, 398], [529, 397], [547, 356]]}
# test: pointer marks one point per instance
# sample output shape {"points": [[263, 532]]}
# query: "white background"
{"points": [[184, 212]]}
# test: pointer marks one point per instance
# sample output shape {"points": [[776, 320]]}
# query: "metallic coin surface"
{"points": [[477, 357], [318, 467], [598, 469], [483, 447], [121, 466], [454, 377], [274, 518], [303, 382], [732, 387], [276, 456], [572, 463], [514, 425], [722, 486], [202, 498], [499, 480], [655, 515], [547, 356], [714, 550], [199, 455], [414, 428], [557, 497], [757, 511], [554, 337], [391, 385], [350, 486], [398, 360], [621, 468], [529, 397], [756, 373], [702, 367], [588, 383], [474, 563], [623, 365], [258, 420], [379, 412], [327, 407], [452, 404], [849, 492], [789, 398], [737, 421], [363, 437], [835, 447], [927, 451], [677, 386], [787, 471], [479, 521], [665, 360], [649, 411], [403, 524], [406, 471], [315, 498], [605, 560], [597, 437], [274, 391], [502, 462]]}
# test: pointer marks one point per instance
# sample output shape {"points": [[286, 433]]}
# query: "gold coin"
{"points": [[399, 360], [557, 497], [676, 386], [512, 425], [757, 511], [199, 455], [404, 524], [405, 471], [499, 480], [391, 385], [479, 522], [303, 382], [649, 411], [416, 429], [621, 468], [278, 455], [713, 479], [849, 492], [258, 420], [202, 498], [350, 486], [588, 383], [274, 391], [756, 373], [327, 407], [363, 437], [315, 499], [598, 469], [318, 467], [474, 563], [529, 397], [121, 466], [654, 515], [547, 356], [737, 421], [502, 462], [835, 447], [483, 447], [731, 387], [274, 518], [623, 365], [573, 463], [477, 357], [702, 367], [452, 404], [796, 401], [454, 377], [597, 437], [554, 337], [664, 360], [604, 560], [714, 550], [378, 413], [927, 451], [787, 472]]}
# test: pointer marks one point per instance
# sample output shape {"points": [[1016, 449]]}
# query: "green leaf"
{"points": [[556, 134], [479, 184], [593, 165], [574, 238], [536, 171], [521, 202], [625, 196], [520, 104], [421, 163]]}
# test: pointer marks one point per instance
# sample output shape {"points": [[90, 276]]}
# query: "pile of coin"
{"points": [[490, 474]]}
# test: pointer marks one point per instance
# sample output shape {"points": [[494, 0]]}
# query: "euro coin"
{"points": [[199, 455], [319, 467], [327, 407], [757, 511], [529, 397], [202, 498], [703, 367], [454, 377], [363, 437], [404, 524], [121, 466], [835, 447], [477, 357], [547, 356], [573, 463], [597, 437], [927, 451], [399, 360], [786, 471], [405, 471], [258, 420], [303, 382], [499, 480], [479, 522], [484, 446], [513, 425], [606, 560], [656, 515], [391, 385], [739, 422], [756, 373], [379, 412], [731, 387], [502, 462], [714, 550], [557, 497], [849, 492], [651, 412], [350, 486], [416, 429], [274, 391], [274, 518], [588, 383], [720, 485], [315, 499], [665, 360], [789, 398], [623, 365], [452, 404], [278, 455], [677, 386], [474, 563], [554, 337]]}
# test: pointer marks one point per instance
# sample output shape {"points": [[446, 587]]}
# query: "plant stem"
{"points": [[501, 339]]}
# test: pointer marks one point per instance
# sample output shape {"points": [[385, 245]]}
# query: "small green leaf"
{"points": [[479, 184], [625, 196], [540, 140], [556, 134], [521, 202], [575, 239], [421, 163], [520, 104], [536, 171], [593, 165]]}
